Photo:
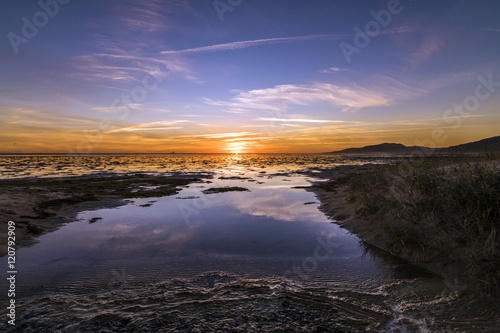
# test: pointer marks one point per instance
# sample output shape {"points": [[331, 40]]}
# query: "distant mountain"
{"points": [[486, 145], [383, 148]]}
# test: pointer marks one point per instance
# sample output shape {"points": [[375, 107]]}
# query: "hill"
{"points": [[481, 146]]}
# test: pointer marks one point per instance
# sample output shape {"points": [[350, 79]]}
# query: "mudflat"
{"points": [[41, 205]]}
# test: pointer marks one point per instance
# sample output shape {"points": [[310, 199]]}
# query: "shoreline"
{"points": [[42, 205]]}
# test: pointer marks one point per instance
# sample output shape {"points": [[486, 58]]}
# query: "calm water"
{"points": [[261, 260]]}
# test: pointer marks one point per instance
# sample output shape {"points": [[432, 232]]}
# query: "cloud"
{"points": [[128, 68], [150, 16], [156, 125], [278, 97], [281, 40], [275, 206], [117, 109], [159, 110], [224, 135], [254, 138], [404, 29], [256, 42], [431, 45], [332, 70], [304, 120]]}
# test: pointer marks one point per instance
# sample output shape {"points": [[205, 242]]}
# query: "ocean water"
{"points": [[261, 260], [21, 166]]}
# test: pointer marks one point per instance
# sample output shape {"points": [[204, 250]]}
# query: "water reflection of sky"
{"points": [[266, 230], [270, 221]]}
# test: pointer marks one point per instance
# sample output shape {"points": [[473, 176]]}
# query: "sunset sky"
{"points": [[246, 76]]}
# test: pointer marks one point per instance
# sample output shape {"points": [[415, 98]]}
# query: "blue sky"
{"points": [[270, 76]]}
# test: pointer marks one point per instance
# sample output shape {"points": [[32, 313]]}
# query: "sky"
{"points": [[246, 76]]}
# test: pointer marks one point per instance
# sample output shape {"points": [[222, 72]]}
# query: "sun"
{"points": [[236, 148]]}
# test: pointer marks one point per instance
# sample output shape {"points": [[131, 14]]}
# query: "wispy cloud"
{"points": [[404, 29], [304, 120], [249, 43], [128, 68], [135, 106], [278, 97], [224, 135], [149, 16], [431, 45], [120, 108], [282, 40], [156, 125], [332, 70]]}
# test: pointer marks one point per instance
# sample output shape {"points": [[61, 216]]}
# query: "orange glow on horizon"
{"points": [[303, 140]]}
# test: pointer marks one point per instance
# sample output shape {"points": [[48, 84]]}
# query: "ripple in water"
{"points": [[224, 302]]}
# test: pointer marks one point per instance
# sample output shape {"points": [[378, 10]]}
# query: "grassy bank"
{"points": [[437, 208]]}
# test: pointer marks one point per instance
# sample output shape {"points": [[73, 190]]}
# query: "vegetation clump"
{"points": [[213, 190], [94, 220], [444, 206], [34, 230]]}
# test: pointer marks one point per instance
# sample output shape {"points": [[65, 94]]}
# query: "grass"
{"points": [[440, 205], [34, 230]]}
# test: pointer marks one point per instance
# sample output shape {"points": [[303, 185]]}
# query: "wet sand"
{"points": [[42, 205]]}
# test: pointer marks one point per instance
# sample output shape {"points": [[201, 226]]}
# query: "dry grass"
{"points": [[447, 206]]}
